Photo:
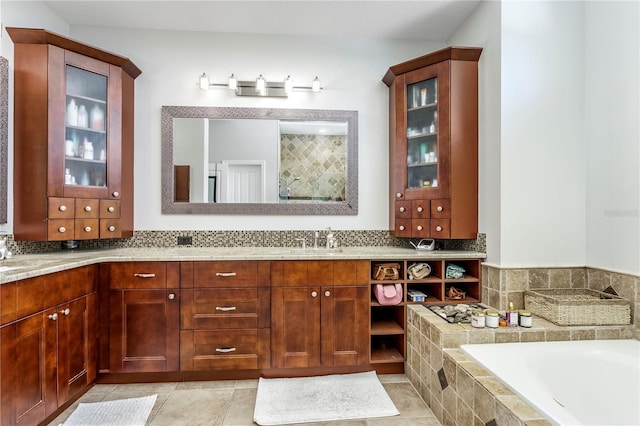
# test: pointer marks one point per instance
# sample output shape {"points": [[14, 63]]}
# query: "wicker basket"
{"points": [[569, 306]]}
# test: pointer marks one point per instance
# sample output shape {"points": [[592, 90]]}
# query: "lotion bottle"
{"points": [[512, 316]]}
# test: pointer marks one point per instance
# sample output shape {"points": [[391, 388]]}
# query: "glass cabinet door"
{"points": [[85, 149], [422, 134]]}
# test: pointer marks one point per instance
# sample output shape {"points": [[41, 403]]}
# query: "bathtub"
{"points": [[587, 382]]}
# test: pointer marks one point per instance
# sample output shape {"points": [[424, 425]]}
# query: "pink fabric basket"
{"points": [[388, 294]]}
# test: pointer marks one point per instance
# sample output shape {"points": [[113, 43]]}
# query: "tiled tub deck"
{"points": [[460, 391]]}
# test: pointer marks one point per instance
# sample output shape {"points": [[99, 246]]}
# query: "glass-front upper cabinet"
{"points": [[85, 128], [422, 134]]}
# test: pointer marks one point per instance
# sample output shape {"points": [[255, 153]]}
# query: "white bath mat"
{"points": [[120, 412], [320, 399]]}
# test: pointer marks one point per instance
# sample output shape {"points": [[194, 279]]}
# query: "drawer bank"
{"points": [[69, 320]]}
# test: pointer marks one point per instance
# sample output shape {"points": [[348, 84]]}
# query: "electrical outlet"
{"points": [[184, 241]]}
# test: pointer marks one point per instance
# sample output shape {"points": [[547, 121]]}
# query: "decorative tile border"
{"points": [[147, 239]]}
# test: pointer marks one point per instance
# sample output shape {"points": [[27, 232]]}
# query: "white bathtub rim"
{"points": [[531, 387]]}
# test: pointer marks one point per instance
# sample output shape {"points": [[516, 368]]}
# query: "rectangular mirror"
{"points": [[258, 161]]}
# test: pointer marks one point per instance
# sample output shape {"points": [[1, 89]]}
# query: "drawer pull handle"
{"points": [[439, 208], [225, 308], [419, 228], [111, 209], [65, 311], [438, 228], [225, 350], [402, 209], [62, 208], [116, 194], [53, 316], [144, 275], [401, 227], [419, 209], [62, 229], [87, 208], [225, 274], [87, 229], [111, 228]]}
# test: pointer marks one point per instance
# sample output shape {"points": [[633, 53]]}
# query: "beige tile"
{"points": [[139, 389], [213, 384], [484, 403], [519, 407], [194, 407], [583, 334], [406, 400], [538, 278], [464, 414], [395, 421], [607, 333], [532, 336], [464, 385], [560, 278], [504, 335], [241, 407], [454, 340], [247, 384], [538, 422], [474, 369], [393, 378], [515, 280], [578, 278], [450, 402], [485, 335], [494, 386], [450, 371]]}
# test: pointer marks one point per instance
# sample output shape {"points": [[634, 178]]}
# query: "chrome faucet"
{"points": [[332, 241], [303, 244], [316, 236]]}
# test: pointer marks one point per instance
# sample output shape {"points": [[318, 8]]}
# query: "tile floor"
{"points": [[231, 402]]}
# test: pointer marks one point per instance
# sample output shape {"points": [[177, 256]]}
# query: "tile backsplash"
{"points": [[142, 239]]}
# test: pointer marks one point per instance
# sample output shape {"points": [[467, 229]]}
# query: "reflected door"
{"points": [[242, 182]]}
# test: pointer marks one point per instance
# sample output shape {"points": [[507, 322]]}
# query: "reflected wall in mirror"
{"points": [[259, 161]]}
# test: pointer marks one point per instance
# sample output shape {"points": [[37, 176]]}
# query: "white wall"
{"points": [[350, 69], [612, 97], [190, 149], [482, 29]]}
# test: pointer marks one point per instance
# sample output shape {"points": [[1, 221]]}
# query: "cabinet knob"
{"points": [[439, 208], [171, 296], [87, 229], [62, 229], [399, 195], [419, 227], [111, 209], [62, 208], [419, 209], [327, 293], [401, 227], [111, 228], [314, 294], [402, 209], [116, 194], [65, 311], [87, 208], [53, 316], [438, 228]]}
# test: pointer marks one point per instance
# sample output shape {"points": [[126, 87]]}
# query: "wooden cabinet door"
{"points": [[295, 327], [76, 346], [145, 327], [25, 358], [345, 325]]}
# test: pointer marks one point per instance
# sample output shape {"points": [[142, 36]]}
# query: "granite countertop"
{"points": [[31, 265]]}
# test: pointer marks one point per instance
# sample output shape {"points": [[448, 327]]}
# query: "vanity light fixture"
{"points": [[260, 86]]}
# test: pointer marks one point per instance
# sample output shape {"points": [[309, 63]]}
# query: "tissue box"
{"points": [[416, 296]]}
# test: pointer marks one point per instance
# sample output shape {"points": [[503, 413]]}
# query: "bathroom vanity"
{"points": [[127, 315]]}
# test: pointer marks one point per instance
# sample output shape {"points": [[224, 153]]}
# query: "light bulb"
{"points": [[204, 82], [315, 85], [260, 84], [233, 82], [288, 85]]}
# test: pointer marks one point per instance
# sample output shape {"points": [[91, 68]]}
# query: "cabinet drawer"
{"points": [[403, 209], [220, 308], [109, 209], [420, 209], [403, 228], [225, 274], [110, 228], [60, 229], [87, 208], [440, 228], [420, 228], [86, 229], [61, 208], [441, 208], [224, 350], [138, 275]]}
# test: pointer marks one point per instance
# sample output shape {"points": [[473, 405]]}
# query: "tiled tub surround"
{"points": [[501, 286], [458, 389]]}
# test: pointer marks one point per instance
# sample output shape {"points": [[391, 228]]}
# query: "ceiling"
{"points": [[429, 20]]}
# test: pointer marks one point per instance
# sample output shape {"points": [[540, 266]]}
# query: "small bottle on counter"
{"points": [[492, 319], [512, 316], [477, 319], [525, 319]]}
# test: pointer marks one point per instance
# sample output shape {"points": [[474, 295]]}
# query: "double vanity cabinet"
{"points": [[73, 139], [115, 320]]}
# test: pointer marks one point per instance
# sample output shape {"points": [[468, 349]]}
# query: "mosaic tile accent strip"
{"points": [[145, 239]]}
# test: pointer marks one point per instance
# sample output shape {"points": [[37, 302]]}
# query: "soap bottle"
{"points": [[83, 118], [97, 118], [3, 249], [72, 113], [512, 316]]}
